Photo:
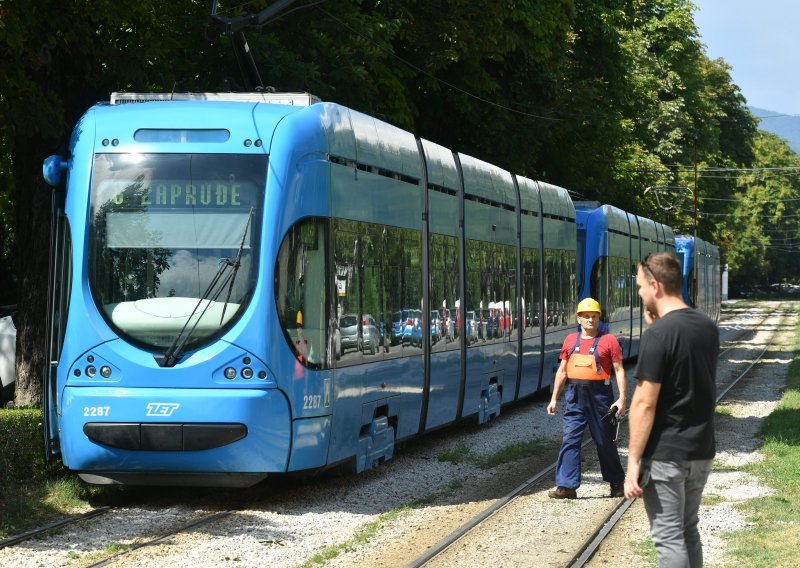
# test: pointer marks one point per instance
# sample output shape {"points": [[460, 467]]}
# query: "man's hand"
{"points": [[552, 408], [632, 489]]}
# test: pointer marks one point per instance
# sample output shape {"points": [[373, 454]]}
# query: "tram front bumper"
{"points": [[174, 431]]}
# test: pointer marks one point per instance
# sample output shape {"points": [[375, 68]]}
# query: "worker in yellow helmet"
{"points": [[587, 358]]}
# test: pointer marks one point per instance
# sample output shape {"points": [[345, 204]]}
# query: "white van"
{"points": [[8, 347]]}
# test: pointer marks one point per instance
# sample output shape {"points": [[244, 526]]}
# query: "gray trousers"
{"points": [[672, 499]]}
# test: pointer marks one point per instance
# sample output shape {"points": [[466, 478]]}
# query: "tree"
{"points": [[602, 97], [763, 233], [52, 74]]}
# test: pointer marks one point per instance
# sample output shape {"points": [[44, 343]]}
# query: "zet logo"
{"points": [[162, 408]]}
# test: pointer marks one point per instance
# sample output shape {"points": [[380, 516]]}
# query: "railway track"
{"points": [[730, 340]]}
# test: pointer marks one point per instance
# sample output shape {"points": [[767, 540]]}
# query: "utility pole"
{"points": [[695, 189]]}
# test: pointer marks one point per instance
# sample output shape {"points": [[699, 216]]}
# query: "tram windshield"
{"points": [[162, 228]]}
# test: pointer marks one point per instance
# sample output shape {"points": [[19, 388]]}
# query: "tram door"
{"points": [[59, 285]]}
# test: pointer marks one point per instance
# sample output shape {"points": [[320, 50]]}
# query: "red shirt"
{"points": [[607, 348]]}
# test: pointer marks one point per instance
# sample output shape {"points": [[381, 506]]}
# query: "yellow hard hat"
{"points": [[589, 305]]}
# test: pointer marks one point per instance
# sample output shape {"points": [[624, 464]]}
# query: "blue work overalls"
{"points": [[587, 402]]}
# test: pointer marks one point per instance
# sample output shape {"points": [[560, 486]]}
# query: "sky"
{"points": [[760, 39]]}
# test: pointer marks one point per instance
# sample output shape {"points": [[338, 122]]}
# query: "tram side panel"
{"points": [[376, 237], [531, 320], [444, 195], [491, 258], [636, 303], [560, 286]]}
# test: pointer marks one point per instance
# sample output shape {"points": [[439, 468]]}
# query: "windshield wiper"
{"points": [[174, 353], [236, 264]]}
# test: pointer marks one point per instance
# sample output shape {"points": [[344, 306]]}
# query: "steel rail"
{"points": [[16, 539], [163, 537]]}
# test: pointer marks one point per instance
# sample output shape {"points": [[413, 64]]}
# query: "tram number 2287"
{"points": [[96, 410], [311, 401]]}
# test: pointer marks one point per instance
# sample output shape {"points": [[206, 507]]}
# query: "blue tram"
{"points": [[701, 274], [611, 242], [253, 284]]}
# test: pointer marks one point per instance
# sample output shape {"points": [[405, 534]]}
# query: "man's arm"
{"points": [[558, 384], [642, 415], [619, 372]]}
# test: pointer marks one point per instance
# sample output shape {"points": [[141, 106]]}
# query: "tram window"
{"points": [[599, 279], [300, 281], [510, 292], [530, 287], [572, 291], [558, 289], [347, 252], [378, 289], [444, 333], [395, 291]]}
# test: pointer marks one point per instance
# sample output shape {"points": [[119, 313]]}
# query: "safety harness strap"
{"points": [[592, 349]]}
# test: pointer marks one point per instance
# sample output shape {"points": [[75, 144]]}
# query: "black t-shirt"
{"points": [[680, 351]]}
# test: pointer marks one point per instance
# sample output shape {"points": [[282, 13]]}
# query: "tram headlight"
{"points": [[247, 373], [230, 373], [91, 371], [105, 371]]}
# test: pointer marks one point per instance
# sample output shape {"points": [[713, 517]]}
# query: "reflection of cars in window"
{"points": [[398, 325], [348, 330], [412, 323], [436, 326], [370, 335], [8, 346]]}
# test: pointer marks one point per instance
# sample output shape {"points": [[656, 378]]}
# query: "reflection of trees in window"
{"points": [[491, 283], [300, 283], [127, 273], [378, 275], [444, 288], [530, 292]]}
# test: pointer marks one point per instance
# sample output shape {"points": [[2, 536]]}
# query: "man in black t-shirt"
{"points": [[672, 444]]}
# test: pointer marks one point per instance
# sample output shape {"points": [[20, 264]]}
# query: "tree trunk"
{"points": [[33, 257]]}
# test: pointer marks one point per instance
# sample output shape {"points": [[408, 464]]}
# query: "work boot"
{"points": [[618, 489], [562, 493]]}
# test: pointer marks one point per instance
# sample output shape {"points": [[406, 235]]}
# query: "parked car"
{"points": [[412, 323], [416, 328], [8, 348], [348, 330], [437, 327], [370, 334], [398, 325]]}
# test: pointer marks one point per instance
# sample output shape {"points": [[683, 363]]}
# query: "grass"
{"points": [[723, 411], [462, 453], [457, 455], [711, 499], [31, 505], [774, 539], [646, 550], [362, 536]]}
